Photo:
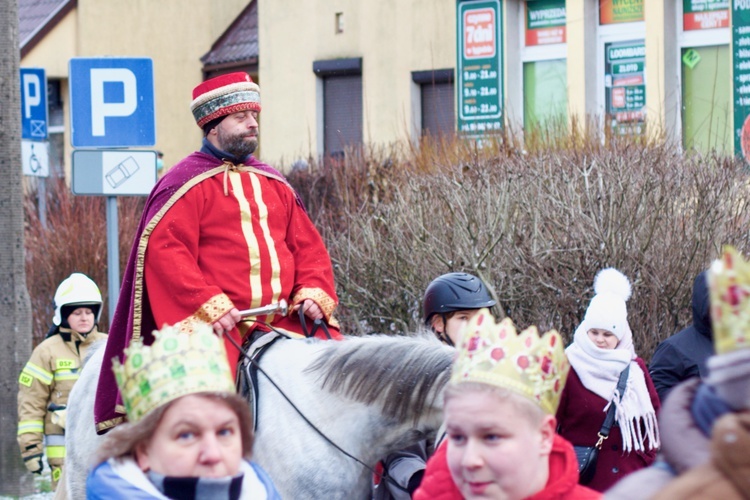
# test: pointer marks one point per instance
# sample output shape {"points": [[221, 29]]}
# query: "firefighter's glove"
{"points": [[58, 417], [33, 464]]}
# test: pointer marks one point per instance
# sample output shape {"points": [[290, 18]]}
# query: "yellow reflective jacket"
{"points": [[48, 378]]}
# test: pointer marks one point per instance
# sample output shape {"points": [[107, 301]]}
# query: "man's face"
{"points": [[237, 134]]}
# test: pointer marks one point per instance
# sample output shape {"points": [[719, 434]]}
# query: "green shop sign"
{"points": [[545, 22], [480, 66], [545, 14], [741, 69]]}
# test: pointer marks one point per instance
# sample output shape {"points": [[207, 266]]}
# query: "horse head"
{"points": [[363, 397]]}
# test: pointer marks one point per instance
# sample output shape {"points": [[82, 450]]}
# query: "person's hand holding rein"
{"points": [[310, 308], [226, 323]]}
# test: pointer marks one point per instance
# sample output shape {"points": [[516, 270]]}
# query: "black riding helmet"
{"points": [[455, 292]]}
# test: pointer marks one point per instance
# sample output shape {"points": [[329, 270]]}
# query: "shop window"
{"points": [[545, 93], [622, 65], [625, 86], [544, 64], [705, 70], [707, 101]]}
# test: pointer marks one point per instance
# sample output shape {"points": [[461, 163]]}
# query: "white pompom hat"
{"points": [[607, 310]]}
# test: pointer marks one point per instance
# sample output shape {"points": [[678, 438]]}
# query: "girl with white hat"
{"points": [[601, 351]]}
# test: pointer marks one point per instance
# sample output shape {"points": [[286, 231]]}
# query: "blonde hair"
{"points": [[525, 406]]}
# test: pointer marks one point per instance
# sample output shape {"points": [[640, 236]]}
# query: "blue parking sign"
{"points": [[33, 104], [112, 102]]}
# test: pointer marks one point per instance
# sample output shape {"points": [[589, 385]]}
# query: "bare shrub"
{"points": [[535, 225], [74, 240]]}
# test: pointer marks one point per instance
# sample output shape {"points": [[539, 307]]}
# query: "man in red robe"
{"points": [[220, 232]]}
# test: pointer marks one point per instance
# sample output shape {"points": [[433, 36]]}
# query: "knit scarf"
{"points": [[599, 371]]}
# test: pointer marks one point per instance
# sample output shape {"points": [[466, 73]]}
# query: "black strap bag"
{"points": [[587, 455]]}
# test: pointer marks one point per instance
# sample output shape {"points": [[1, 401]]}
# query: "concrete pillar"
{"points": [[663, 96], [581, 24], [512, 31]]}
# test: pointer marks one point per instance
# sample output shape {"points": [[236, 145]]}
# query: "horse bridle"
{"points": [[256, 365]]}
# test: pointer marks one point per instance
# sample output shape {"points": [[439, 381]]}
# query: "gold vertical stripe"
{"points": [[141, 256], [246, 221], [263, 216]]}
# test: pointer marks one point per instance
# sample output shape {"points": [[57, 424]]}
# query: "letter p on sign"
{"points": [[100, 109], [112, 102]]}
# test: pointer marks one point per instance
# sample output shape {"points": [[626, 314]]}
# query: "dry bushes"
{"points": [[536, 226], [74, 240]]}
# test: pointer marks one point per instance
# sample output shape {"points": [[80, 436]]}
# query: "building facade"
{"points": [[174, 33], [351, 72], [341, 73]]}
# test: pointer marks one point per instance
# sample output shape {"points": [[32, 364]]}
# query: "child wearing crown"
{"points": [[499, 415], [188, 434]]}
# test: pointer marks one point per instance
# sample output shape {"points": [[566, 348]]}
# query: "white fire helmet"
{"points": [[77, 289]]}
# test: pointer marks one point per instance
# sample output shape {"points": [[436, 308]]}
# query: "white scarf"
{"points": [[599, 370]]}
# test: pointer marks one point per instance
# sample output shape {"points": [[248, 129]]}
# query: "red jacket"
{"points": [[561, 485], [579, 418]]}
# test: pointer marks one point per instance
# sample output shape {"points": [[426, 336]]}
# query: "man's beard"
{"points": [[239, 145]]}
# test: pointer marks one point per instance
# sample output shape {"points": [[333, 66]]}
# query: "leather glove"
{"points": [[59, 417], [33, 464]]}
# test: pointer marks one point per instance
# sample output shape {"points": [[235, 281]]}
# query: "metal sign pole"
{"points": [[113, 255], [41, 191]]}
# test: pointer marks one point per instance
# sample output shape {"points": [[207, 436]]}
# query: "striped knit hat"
{"points": [[224, 95]]}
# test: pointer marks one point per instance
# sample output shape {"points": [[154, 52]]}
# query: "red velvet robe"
{"points": [[579, 418], [203, 249], [562, 483]]}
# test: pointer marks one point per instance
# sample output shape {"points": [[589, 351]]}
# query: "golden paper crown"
{"points": [[493, 353], [175, 365], [729, 288]]}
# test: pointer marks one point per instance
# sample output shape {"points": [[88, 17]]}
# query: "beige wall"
{"points": [[393, 38], [174, 33]]}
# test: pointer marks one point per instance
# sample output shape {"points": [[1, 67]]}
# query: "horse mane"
{"points": [[404, 374]]}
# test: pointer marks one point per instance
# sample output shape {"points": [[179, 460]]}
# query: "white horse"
{"points": [[369, 395]]}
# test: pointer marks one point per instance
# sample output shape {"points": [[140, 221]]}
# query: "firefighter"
{"points": [[48, 377]]}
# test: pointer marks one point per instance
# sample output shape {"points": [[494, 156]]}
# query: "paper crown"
{"points": [[175, 365], [729, 289], [224, 95], [493, 353]]}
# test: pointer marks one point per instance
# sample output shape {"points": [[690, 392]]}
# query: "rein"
{"points": [[252, 361]]}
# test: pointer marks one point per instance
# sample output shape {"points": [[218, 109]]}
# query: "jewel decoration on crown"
{"points": [[729, 288], [493, 353], [176, 364]]}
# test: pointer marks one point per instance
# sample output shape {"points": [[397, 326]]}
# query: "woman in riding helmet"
{"points": [[48, 377], [450, 301]]}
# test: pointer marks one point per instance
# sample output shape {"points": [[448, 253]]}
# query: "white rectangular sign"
{"points": [[35, 158], [114, 172]]}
